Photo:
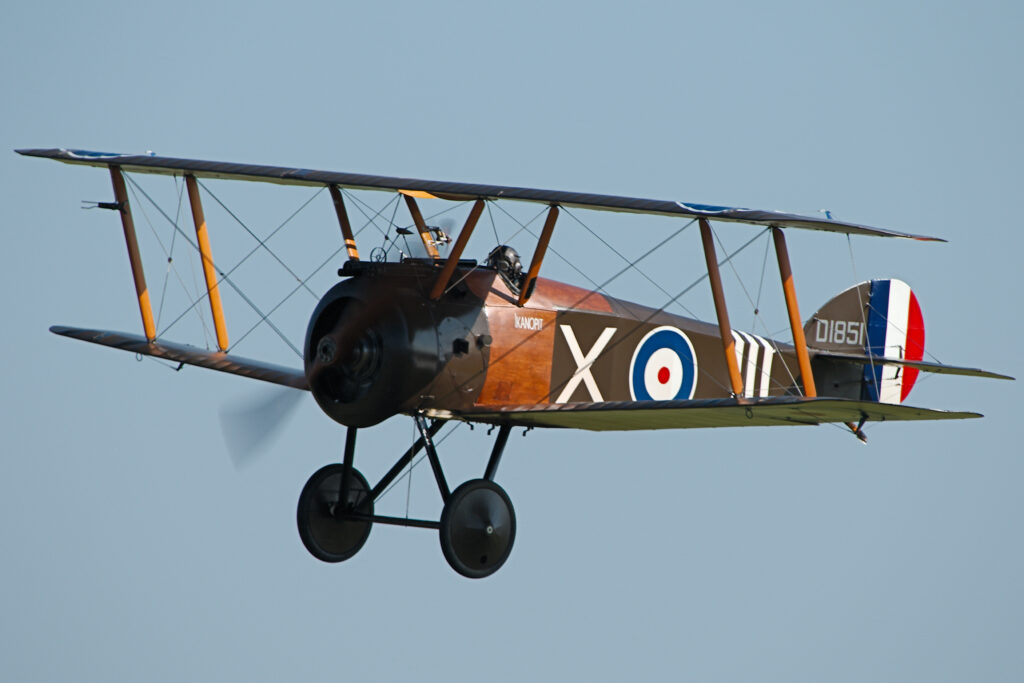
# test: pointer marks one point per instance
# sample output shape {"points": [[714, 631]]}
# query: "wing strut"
{"points": [[421, 226], [456, 253], [346, 226], [786, 273], [206, 255], [538, 256], [724, 329], [121, 196]]}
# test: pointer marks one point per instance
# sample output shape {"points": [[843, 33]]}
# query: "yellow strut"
{"points": [[346, 226], [209, 271]]}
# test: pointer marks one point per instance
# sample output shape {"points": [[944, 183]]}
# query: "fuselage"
{"points": [[475, 349]]}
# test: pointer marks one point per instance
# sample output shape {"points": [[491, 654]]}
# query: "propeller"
{"points": [[443, 233], [251, 426], [348, 356], [341, 365]]}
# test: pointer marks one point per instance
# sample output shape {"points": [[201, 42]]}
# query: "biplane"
{"points": [[442, 339]]}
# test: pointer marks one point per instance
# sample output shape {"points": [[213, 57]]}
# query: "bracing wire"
{"points": [[626, 260], [309, 277], [224, 277], [673, 299], [170, 263], [263, 243], [408, 471]]}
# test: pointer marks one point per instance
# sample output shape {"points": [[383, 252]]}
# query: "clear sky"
{"points": [[133, 547]]}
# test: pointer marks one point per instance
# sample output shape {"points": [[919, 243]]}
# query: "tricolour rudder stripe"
{"points": [[895, 330], [915, 344]]}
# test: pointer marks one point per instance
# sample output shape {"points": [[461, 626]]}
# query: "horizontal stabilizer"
{"points": [[729, 412], [150, 163], [189, 355], [923, 366]]}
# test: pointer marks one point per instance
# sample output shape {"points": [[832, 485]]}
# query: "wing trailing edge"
{"points": [[924, 366], [189, 355], [782, 411], [149, 163]]}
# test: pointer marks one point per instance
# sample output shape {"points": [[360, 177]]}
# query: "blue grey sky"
{"points": [[134, 549]]}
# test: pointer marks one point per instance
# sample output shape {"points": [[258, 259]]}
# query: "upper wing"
{"points": [[458, 191], [789, 410], [190, 355]]}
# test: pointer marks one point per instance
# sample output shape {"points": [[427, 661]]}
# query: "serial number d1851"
{"points": [[839, 332]]}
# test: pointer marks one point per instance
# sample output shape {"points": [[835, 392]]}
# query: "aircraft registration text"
{"points": [[839, 332]]}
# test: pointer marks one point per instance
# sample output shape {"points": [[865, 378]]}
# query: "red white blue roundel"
{"points": [[664, 367]]}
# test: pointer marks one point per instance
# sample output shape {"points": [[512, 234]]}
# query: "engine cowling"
{"points": [[361, 359]]}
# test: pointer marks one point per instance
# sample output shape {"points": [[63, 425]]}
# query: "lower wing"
{"points": [[629, 415]]}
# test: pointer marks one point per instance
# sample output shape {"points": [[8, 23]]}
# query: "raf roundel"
{"points": [[664, 367]]}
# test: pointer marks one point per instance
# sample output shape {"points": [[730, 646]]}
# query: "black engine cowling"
{"points": [[360, 355]]}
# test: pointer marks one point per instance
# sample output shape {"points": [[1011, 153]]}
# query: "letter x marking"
{"points": [[583, 363]]}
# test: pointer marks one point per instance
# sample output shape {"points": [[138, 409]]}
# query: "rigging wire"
{"points": [[359, 204], [417, 461], [170, 264], [672, 300], [224, 277], [494, 226], [732, 266], [863, 316], [760, 290], [309, 277], [550, 248], [756, 305], [170, 259], [262, 243], [477, 266], [621, 256], [408, 489], [391, 224], [639, 321]]}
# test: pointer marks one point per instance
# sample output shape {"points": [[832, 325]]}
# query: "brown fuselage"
{"points": [[476, 350]]}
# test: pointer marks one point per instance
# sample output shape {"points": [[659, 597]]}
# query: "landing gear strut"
{"points": [[477, 526]]}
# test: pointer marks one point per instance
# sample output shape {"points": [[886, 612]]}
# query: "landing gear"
{"points": [[324, 526], [477, 526]]}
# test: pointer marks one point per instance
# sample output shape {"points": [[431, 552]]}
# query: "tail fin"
{"points": [[878, 319]]}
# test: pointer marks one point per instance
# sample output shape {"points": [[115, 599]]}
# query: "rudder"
{"points": [[877, 319]]}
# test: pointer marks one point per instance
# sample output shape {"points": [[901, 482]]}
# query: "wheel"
{"points": [[323, 530], [478, 527]]}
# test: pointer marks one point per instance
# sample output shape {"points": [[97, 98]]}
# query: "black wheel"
{"points": [[478, 527], [327, 535]]}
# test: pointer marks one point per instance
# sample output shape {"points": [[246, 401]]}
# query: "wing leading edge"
{"points": [[140, 163], [781, 411]]}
